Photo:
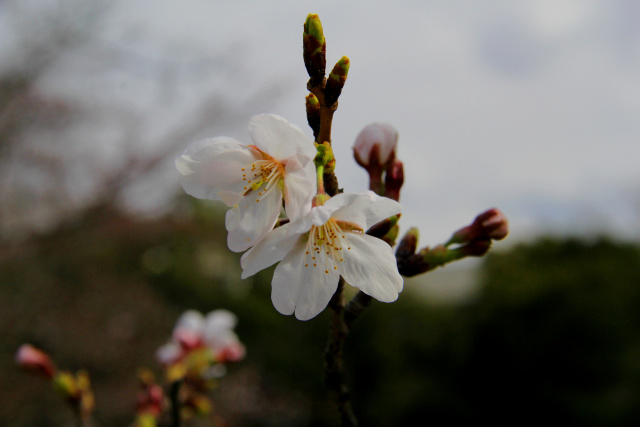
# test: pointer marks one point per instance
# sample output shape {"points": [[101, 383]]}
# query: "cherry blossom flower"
{"points": [[195, 332], [253, 179], [317, 249]]}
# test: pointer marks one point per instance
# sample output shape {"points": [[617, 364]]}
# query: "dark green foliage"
{"points": [[553, 333]]}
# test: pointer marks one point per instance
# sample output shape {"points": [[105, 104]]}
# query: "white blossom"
{"points": [[253, 179], [327, 243]]}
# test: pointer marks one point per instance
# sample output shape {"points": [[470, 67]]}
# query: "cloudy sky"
{"points": [[530, 106]]}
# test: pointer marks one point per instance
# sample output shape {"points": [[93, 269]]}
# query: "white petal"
{"points": [[218, 330], [299, 187], [280, 139], [191, 320], [219, 320], [305, 290], [371, 266], [251, 219], [212, 168], [269, 250], [169, 353], [364, 209]]}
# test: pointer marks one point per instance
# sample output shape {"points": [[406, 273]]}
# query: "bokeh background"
{"points": [[530, 106]]}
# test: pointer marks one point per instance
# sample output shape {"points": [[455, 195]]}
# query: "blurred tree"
{"points": [[91, 115], [554, 334]]}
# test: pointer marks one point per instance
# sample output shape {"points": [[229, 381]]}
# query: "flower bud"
{"points": [[30, 358], [234, 352], [66, 384], [393, 180], [187, 338], [477, 248], [380, 135], [408, 244], [492, 225]]}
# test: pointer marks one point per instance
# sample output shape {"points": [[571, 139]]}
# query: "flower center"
{"points": [[262, 175], [326, 244]]}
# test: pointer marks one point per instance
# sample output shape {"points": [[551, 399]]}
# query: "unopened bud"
{"points": [[65, 383], [336, 80], [477, 248], [313, 28], [393, 180], [234, 352], [380, 135], [313, 113], [314, 49], [374, 150], [187, 338], [491, 225], [408, 244], [30, 358], [380, 229]]}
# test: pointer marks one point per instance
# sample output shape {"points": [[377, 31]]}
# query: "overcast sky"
{"points": [[529, 106]]}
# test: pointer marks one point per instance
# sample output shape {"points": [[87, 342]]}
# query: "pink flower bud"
{"points": [[30, 358], [491, 224], [187, 338], [478, 248], [234, 352], [375, 146]]}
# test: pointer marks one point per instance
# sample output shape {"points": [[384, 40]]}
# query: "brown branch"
{"points": [[335, 377]]}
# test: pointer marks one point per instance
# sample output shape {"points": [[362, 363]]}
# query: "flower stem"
{"points": [[174, 392], [335, 375], [320, 178]]}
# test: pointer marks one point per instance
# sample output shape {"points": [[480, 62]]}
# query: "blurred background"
{"points": [[529, 106]]}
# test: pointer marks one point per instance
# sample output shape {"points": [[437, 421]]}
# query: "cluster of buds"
{"points": [[151, 400], [375, 150], [75, 389], [473, 240]]}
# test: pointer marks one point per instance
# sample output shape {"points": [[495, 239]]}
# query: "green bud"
{"points": [[336, 80], [314, 49], [312, 101], [313, 113], [66, 384], [340, 70], [313, 28]]}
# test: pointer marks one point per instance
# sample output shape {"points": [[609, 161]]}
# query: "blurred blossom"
{"points": [[212, 337]]}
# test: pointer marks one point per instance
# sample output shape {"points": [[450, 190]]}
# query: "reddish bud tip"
{"points": [[478, 247], [232, 353], [492, 225], [30, 358]]}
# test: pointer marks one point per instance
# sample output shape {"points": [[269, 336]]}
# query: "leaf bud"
{"points": [[336, 80], [314, 49]]}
